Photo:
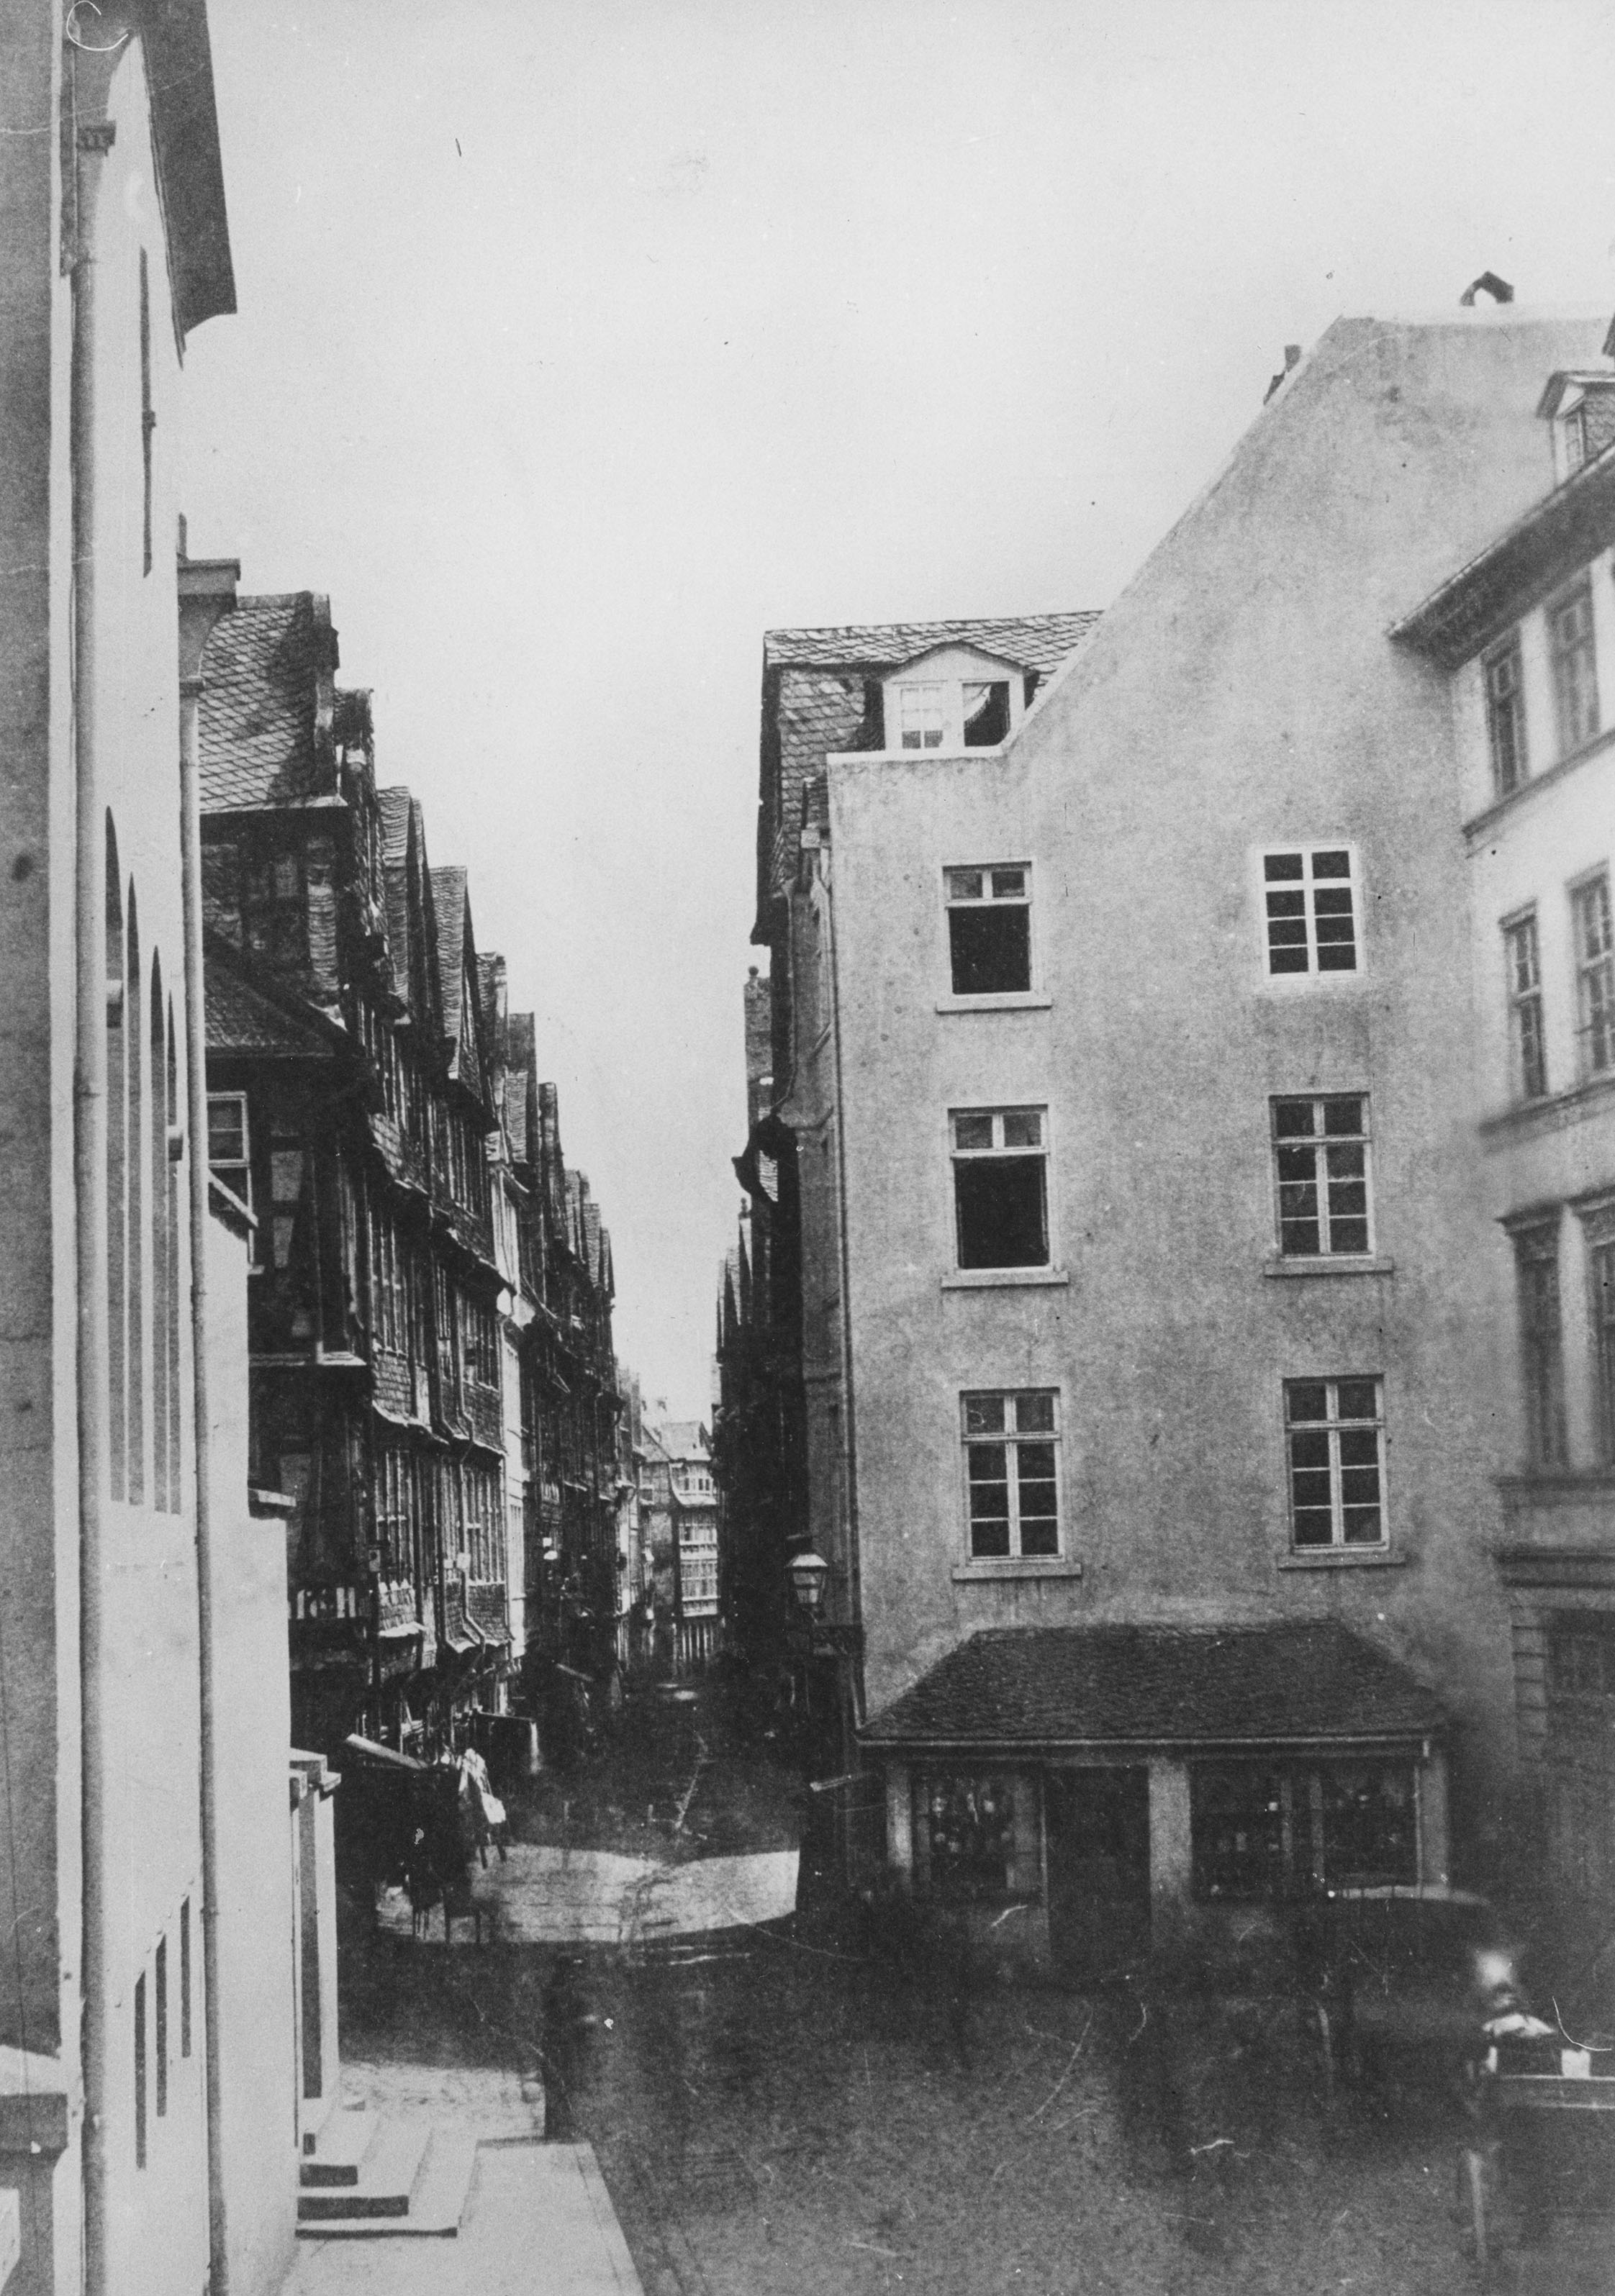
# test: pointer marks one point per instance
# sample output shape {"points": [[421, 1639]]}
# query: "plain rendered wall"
{"points": [[255, 1908], [1241, 694], [157, 2216], [39, 1852]]}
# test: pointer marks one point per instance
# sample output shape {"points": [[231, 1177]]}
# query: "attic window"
{"points": [[920, 714], [987, 713]]}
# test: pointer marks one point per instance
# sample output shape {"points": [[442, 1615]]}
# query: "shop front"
{"points": [[1080, 1797]]}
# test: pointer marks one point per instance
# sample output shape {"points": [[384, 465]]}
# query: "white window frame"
{"points": [[1572, 736], [1312, 976], [1522, 1000], [1506, 660], [232, 1172], [1320, 1142], [1331, 1426], [1010, 1440], [999, 1153], [987, 871], [1594, 956]]}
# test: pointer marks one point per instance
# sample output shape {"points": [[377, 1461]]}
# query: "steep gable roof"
{"points": [[266, 703]]}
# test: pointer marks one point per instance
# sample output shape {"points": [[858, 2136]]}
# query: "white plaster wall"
{"points": [[1242, 694]]}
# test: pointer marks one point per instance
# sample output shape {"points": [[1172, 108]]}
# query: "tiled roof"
{"points": [[448, 897], [262, 668], [683, 1438], [1159, 1685], [1039, 642], [240, 1021], [395, 806], [515, 1114]]}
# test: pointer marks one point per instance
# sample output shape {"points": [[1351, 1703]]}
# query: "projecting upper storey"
{"points": [[890, 686]]}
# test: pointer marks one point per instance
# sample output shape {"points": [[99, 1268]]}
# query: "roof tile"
{"points": [[262, 668], [1159, 1685]]}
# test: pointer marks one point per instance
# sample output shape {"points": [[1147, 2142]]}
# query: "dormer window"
{"points": [[954, 697], [1580, 410]]}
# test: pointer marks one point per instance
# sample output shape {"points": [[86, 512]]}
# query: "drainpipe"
{"points": [[91, 144], [206, 590]]}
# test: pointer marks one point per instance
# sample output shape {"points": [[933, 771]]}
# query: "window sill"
{"points": [[1552, 1108], [1331, 1264], [1018, 1566], [1002, 1279], [1340, 1558], [1007, 1000], [1480, 824]]}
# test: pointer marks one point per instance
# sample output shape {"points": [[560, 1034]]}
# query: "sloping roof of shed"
{"points": [[1160, 1686], [261, 667]]}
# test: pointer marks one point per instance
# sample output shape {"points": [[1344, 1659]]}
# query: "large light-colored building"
{"points": [[1123, 1027], [1526, 629], [150, 2098]]}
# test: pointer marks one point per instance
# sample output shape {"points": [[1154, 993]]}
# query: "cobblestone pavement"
{"points": [[783, 2111]]}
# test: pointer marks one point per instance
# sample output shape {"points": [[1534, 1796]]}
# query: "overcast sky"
{"points": [[580, 341]]}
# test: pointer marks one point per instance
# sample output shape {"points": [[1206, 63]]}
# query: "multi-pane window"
{"points": [[1310, 903], [1012, 1480], [271, 909], [967, 1836], [1595, 974], [1320, 1150], [1505, 716], [230, 1150], [990, 930], [1000, 1187], [1541, 1343], [1272, 1829], [1528, 1053], [920, 715], [1336, 1434], [1600, 1270], [1571, 649]]}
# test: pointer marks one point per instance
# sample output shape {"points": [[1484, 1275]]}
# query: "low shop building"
{"points": [[1080, 1794]]}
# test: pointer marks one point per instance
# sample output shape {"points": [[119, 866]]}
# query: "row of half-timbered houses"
{"points": [[434, 1396]]}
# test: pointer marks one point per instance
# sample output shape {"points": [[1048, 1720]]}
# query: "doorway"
{"points": [[1097, 1828]]}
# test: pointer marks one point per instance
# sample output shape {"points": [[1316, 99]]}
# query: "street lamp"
{"points": [[808, 1573]]}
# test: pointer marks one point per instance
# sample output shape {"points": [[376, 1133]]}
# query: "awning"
{"points": [[383, 1757], [1160, 1687]]}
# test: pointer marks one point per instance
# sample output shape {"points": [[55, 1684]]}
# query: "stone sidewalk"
{"points": [[539, 2221], [545, 1896]]}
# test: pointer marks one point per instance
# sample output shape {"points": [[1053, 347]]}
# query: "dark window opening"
{"points": [[987, 714], [140, 2070], [991, 950], [184, 1979], [1001, 1213], [161, 2027]]}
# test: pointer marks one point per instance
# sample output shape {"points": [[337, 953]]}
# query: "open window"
{"points": [[1000, 1159], [990, 930]]}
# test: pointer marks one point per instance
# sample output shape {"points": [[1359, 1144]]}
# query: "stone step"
{"points": [[437, 2198], [386, 2178], [340, 2148]]}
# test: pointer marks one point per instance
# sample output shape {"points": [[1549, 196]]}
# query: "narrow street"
{"points": [[781, 2107]]}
